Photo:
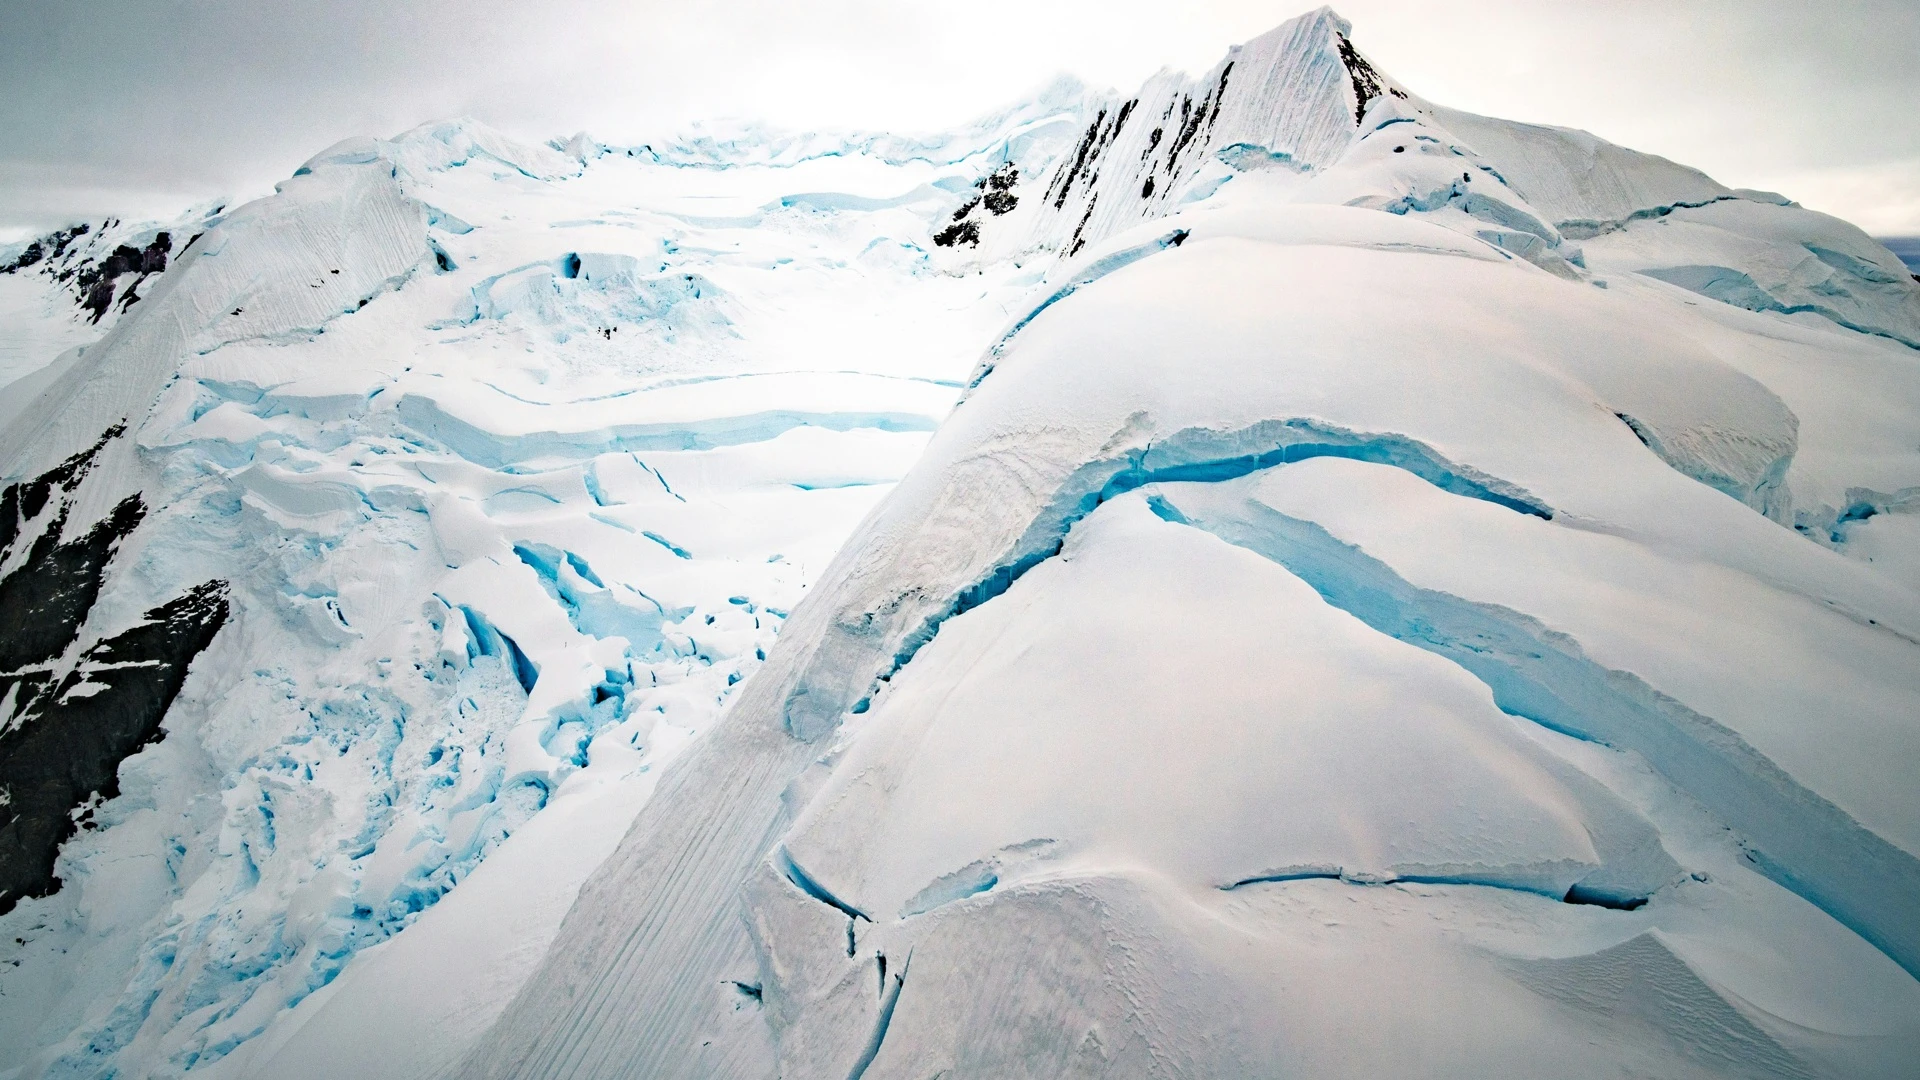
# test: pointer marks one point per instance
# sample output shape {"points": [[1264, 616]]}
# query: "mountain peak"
{"points": [[1262, 572]]}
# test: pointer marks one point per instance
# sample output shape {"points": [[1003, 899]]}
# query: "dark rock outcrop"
{"points": [[67, 721]]}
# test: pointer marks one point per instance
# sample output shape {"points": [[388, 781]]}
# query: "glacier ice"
{"points": [[422, 485], [1264, 574]]}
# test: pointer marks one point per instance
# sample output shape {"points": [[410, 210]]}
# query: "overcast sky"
{"points": [[144, 106]]}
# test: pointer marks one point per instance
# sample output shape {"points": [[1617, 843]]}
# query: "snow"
{"points": [[1765, 257], [1579, 181], [1401, 591], [933, 779], [1638, 609], [1130, 642], [504, 538], [46, 327]]}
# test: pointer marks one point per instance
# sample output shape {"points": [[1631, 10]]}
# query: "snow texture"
{"points": [[510, 461], [1101, 737], [1262, 575]]}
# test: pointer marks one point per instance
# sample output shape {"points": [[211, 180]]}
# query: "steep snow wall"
{"points": [[1294, 95]]}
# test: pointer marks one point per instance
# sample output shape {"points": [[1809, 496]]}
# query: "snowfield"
{"points": [[1264, 576]]}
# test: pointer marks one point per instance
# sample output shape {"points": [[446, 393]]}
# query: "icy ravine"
{"points": [[503, 464], [1141, 788]]}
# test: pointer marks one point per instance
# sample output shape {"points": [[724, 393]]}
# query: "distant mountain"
{"points": [[1907, 248], [1266, 574]]}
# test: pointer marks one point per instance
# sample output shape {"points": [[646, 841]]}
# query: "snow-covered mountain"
{"points": [[1263, 575], [482, 472]]}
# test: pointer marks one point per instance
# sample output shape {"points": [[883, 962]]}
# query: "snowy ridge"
{"points": [[91, 262], [984, 635], [1585, 185], [1294, 94], [1015, 130], [1265, 573], [1294, 99], [508, 486], [332, 241]]}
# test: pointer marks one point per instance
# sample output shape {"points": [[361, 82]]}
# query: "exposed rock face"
{"points": [[74, 709], [94, 279]]}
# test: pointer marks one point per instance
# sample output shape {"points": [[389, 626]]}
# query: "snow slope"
{"points": [[501, 465], [1400, 591], [1338, 632]]}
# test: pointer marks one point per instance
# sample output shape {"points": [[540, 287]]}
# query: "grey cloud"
{"points": [[124, 103]]}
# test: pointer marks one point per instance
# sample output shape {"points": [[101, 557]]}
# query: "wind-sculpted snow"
{"points": [[499, 542], [697, 416], [1284, 578], [1094, 270], [66, 288], [1584, 184], [1640, 213], [1089, 685], [1800, 840], [1032, 489], [1284, 110], [1134, 770], [1766, 257], [324, 247]]}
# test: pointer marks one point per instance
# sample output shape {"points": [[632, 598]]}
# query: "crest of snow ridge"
{"points": [[1298, 107], [1302, 101], [1022, 466], [1291, 97]]}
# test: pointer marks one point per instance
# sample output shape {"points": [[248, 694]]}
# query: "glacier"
{"points": [[1263, 575]]}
